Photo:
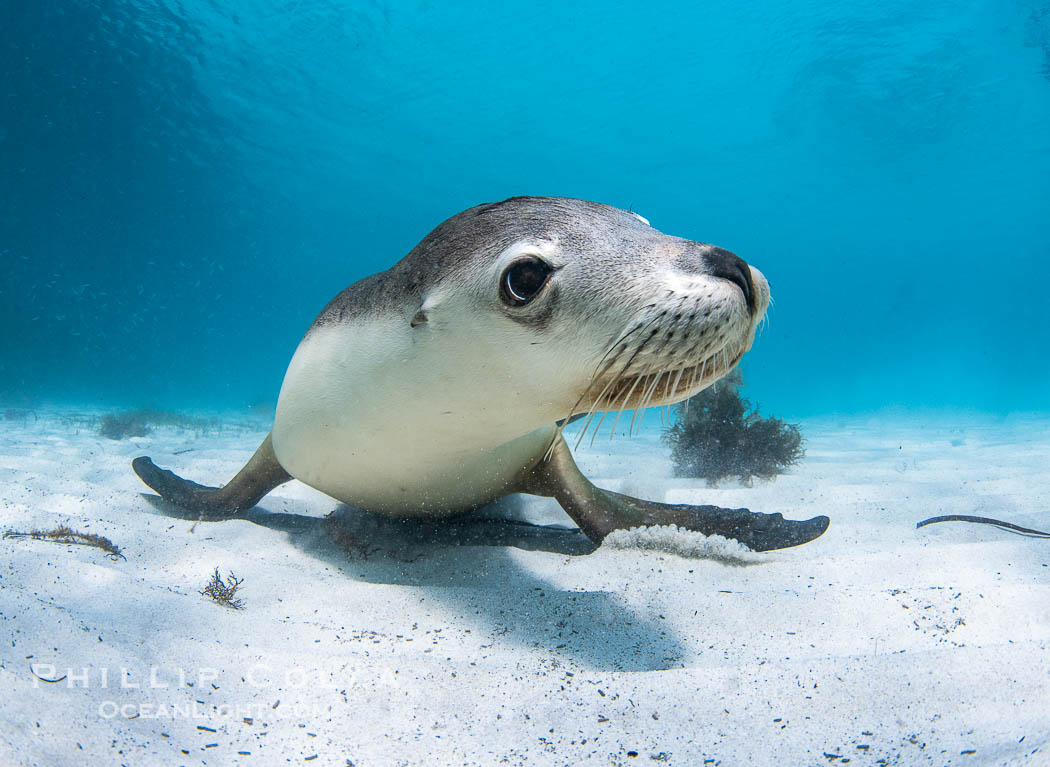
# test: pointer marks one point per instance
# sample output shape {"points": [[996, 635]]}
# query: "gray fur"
{"points": [[478, 234]]}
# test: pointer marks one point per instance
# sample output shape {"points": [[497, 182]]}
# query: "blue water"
{"points": [[183, 185]]}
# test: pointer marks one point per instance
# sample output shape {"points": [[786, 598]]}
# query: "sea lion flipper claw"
{"points": [[598, 512], [259, 476]]}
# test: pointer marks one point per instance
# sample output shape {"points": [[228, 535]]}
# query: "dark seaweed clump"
{"points": [[139, 423], [718, 435]]}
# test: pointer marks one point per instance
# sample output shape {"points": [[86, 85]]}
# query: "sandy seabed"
{"points": [[365, 643]]}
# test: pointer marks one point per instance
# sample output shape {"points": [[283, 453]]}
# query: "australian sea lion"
{"points": [[444, 382]]}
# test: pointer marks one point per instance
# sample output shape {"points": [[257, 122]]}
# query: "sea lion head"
{"points": [[579, 306]]}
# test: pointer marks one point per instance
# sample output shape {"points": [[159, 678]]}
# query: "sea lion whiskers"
{"points": [[665, 411], [611, 384], [639, 410], [646, 392], [594, 434], [645, 403], [599, 371], [649, 393], [624, 402], [698, 374], [618, 378], [596, 376], [594, 409], [767, 317], [674, 390], [590, 412]]}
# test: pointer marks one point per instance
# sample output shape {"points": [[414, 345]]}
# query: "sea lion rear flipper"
{"points": [[258, 477], [598, 512]]}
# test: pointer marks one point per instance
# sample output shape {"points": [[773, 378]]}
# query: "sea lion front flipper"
{"points": [[258, 477], [598, 512]]}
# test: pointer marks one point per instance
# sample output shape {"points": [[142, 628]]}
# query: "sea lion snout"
{"points": [[729, 266]]}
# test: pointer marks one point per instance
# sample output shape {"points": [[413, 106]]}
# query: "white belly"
{"points": [[387, 424]]}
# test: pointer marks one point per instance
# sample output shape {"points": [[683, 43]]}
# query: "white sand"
{"points": [[878, 644]]}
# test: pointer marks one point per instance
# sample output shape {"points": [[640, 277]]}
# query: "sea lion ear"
{"points": [[430, 301]]}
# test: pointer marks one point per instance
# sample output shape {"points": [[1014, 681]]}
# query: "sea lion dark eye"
{"points": [[523, 280]]}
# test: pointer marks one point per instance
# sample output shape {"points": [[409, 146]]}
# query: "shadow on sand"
{"points": [[467, 563]]}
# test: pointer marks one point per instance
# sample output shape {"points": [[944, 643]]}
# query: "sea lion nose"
{"points": [[729, 266]]}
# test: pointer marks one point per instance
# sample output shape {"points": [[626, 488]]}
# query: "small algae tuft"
{"points": [[223, 592], [64, 534], [140, 423]]}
